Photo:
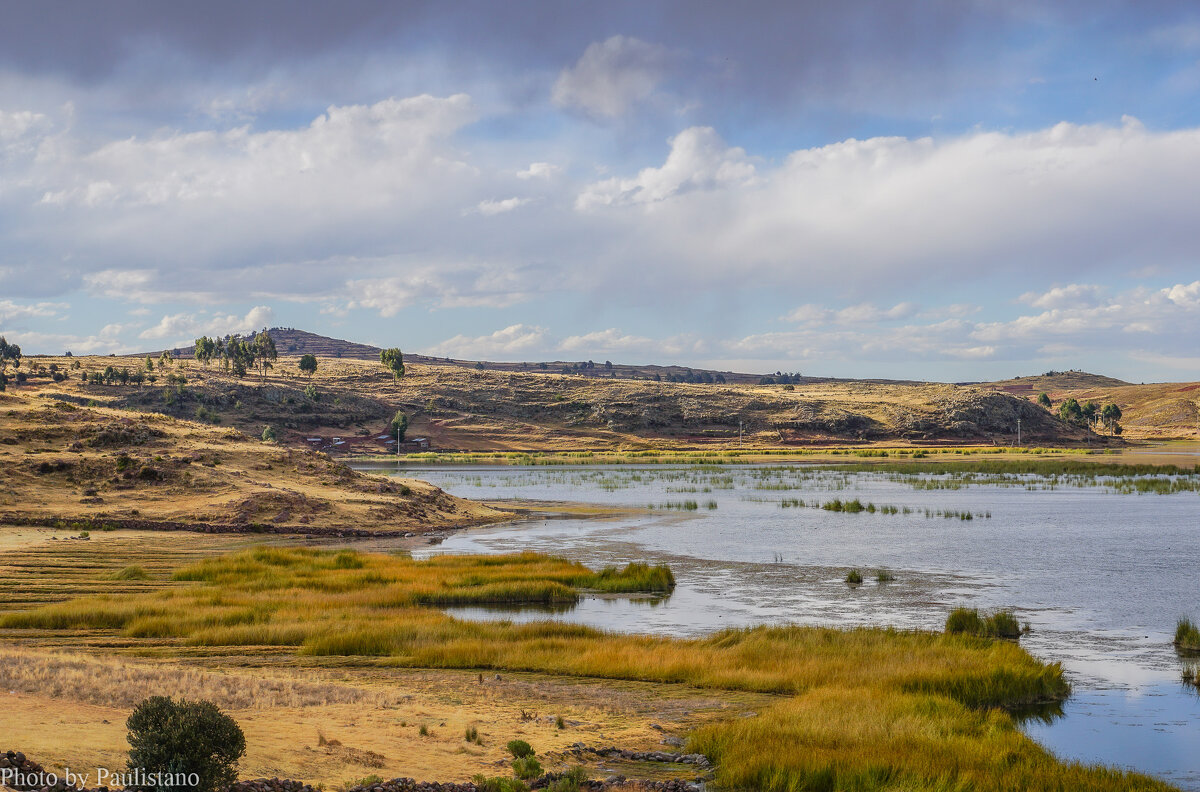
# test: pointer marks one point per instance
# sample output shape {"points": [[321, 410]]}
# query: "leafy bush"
{"points": [[495, 784], [268, 434], [570, 781], [519, 748], [168, 736], [527, 768]]}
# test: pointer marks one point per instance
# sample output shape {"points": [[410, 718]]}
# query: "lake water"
{"points": [[1100, 577]]}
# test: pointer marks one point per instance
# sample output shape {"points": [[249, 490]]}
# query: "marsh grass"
{"points": [[854, 577], [906, 709], [969, 621], [1187, 636]]}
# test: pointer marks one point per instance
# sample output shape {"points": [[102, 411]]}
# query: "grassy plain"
{"points": [[853, 709]]}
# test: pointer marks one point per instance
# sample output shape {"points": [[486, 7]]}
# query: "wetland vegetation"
{"points": [[859, 708]]}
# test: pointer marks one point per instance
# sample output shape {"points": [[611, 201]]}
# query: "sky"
{"points": [[946, 190]]}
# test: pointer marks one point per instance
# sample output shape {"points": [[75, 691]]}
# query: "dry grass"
{"points": [[96, 467], [471, 410], [121, 684]]}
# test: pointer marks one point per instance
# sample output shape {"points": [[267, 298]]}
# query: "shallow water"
{"points": [[1100, 577]]}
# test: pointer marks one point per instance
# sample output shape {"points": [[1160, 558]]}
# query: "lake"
{"points": [[1100, 575]]}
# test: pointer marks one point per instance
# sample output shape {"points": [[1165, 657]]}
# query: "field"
{"points": [[336, 658]]}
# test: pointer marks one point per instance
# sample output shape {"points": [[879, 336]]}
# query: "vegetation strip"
{"points": [[861, 708]]}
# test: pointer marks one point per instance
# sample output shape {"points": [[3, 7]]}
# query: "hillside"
{"points": [[1155, 411], [351, 403], [94, 466]]}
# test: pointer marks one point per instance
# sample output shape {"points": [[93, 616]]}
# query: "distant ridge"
{"points": [[292, 342]]}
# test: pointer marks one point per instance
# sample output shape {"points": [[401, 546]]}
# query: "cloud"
{"points": [[489, 208], [13, 312], [1072, 295], [699, 160], [538, 170], [513, 340], [107, 341], [191, 325], [862, 313], [612, 76]]}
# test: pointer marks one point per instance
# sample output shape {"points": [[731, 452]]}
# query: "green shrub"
{"points": [[527, 768], [854, 577], [368, 781], [519, 748], [495, 784], [185, 737], [268, 434], [570, 781]]}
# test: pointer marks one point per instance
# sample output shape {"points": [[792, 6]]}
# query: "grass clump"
{"points": [[969, 621], [854, 577], [884, 576], [471, 735], [1187, 636], [131, 572]]}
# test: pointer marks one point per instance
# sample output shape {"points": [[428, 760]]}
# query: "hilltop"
{"points": [[292, 342]]}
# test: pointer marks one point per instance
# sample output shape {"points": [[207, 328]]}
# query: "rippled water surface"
{"points": [[1101, 577]]}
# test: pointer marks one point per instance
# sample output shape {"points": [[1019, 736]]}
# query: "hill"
{"points": [[1155, 411], [292, 342], [348, 404], [96, 466]]}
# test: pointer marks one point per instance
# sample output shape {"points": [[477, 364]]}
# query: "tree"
{"points": [[206, 350], [393, 360], [399, 426], [1071, 412], [308, 364], [1111, 414], [1044, 400], [165, 360], [9, 353], [262, 350], [238, 355], [185, 737]]}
